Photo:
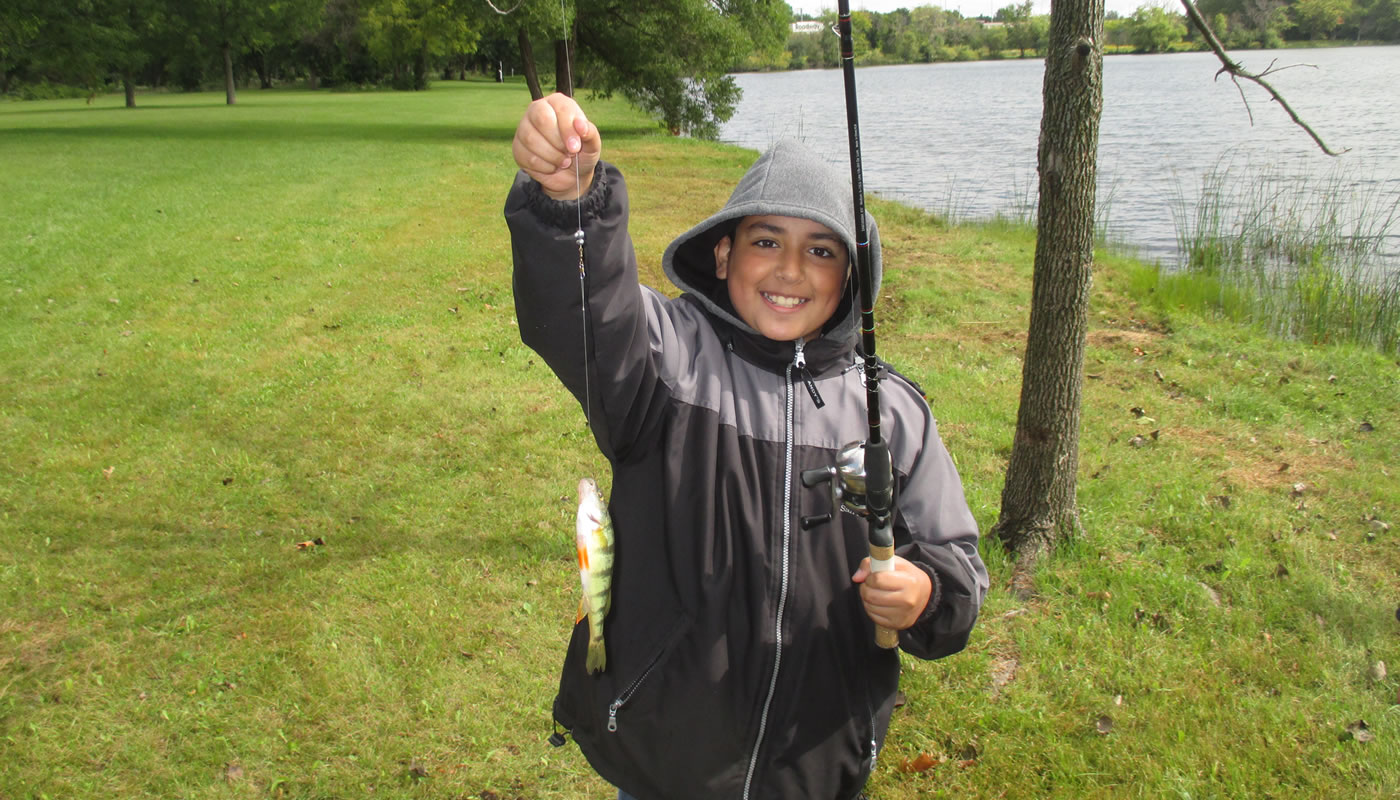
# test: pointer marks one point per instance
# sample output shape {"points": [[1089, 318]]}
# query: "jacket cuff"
{"points": [[935, 596], [564, 214]]}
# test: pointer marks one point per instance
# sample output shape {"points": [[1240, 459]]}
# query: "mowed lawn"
{"points": [[229, 331]]}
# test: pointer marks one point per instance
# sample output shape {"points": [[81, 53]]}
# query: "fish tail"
{"points": [[597, 660]]}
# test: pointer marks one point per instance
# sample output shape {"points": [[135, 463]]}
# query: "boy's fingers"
{"points": [[863, 573], [570, 124]]}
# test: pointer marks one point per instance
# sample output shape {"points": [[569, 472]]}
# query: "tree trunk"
{"points": [[563, 67], [130, 87], [420, 69], [264, 75], [527, 57], [230, 93], [1038, 508]]}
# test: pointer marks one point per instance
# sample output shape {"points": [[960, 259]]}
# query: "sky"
{"points": [[969, 8]]}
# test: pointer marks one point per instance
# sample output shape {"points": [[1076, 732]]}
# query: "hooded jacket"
{"points": [[741, 663]]}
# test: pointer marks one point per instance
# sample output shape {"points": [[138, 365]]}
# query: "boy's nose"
{"points": [[790, 267]]}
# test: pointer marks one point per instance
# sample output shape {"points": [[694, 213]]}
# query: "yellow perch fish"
{"points": [[594, 537]]}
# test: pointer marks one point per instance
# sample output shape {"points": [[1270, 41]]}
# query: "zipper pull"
{"points": [[799, 362], [612, 716]]}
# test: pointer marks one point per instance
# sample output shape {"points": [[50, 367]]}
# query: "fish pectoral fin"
{"points": [[582, 609]]}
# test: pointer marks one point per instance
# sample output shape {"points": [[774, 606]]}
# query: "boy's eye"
{"points": [[764, 243], [823, 252]]}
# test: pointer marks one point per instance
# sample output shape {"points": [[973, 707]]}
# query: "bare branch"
{"points": [[1237, 70]]}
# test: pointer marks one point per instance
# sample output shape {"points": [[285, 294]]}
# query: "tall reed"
{"points": [[1306, 257]]}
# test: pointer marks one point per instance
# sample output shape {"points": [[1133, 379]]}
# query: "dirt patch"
{"points": [[1110, 338], [1255, 465], [28, 645], [1003, 672]]}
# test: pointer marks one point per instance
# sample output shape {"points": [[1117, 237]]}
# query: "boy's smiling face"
{"points": [[785, 274]]}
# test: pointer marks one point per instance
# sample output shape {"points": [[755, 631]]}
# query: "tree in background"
{"points": [[1038, 502], [1153, 29], [405, 35], [684, 80], [1379, 19], [1317, 19]]}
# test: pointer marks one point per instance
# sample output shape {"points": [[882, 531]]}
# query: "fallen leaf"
{"points": [[1137, 411], [1137, 441], [1157, 373], [1223, 500], [233, 773], [107, 473], [1283, 467], [1299, 488], [1377, 671], [1212, 595], [305, 545], [1118, 700], [1104, 725], [923, 762], [1359, 731], [1365, 427], [227, 481]]}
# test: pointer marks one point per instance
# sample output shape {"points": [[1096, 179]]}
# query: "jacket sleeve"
{"points": [[935, 530], [603, 356]]}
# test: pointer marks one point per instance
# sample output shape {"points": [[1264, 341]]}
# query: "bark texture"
{"points": [[230, 94], [527, 61], [564, 66], [1038, 505]]}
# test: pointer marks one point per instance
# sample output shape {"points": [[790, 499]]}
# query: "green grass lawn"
{"points": [[225, 331]]}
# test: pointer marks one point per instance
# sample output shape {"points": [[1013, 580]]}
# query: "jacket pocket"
{"points": [[651, 665]]}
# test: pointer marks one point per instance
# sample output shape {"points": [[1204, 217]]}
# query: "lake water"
{"points": [[960, 138]]}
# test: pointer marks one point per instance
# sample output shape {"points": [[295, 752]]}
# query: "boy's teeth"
{"points": [[785, 302]]}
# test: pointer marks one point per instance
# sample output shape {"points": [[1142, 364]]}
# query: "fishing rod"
{"points": [[870, 478]]}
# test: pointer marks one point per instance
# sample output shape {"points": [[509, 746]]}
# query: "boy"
{"points": [[741, 661]]}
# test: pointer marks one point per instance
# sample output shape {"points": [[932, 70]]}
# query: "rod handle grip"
{"points": [[882, 560]]}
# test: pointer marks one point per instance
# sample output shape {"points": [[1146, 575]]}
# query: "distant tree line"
{"points": [[930, 33], [671, 57]]}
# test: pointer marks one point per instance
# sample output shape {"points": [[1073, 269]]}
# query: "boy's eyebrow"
{"points": [[771, 227]]}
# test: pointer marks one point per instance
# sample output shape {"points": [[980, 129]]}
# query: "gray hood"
{"points": [[791, 181]]}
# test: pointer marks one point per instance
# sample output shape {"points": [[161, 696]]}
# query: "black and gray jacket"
{"points": [[741, 663]]}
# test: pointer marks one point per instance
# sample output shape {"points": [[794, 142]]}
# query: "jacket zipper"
{"points": [[636, 684], [799, 361]]}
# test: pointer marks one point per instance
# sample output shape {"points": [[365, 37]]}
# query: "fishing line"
{"points": [[578, 234]]}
